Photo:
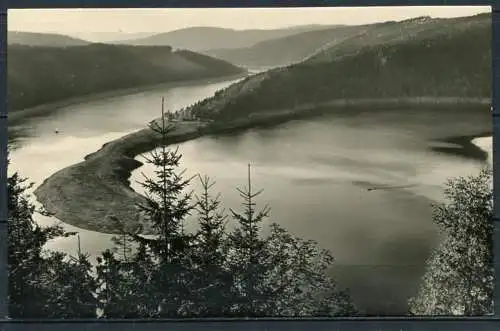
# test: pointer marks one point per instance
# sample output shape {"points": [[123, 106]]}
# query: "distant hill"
{"points": [[297, 47], [205, 38], [39, 75], [288, 49], [413, 58], [43, 39], [111, 37]]}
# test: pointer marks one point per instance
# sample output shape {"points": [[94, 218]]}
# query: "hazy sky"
{"points": [[86, 22]]}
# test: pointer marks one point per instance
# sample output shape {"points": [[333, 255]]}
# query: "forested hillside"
{"points": [[423, 57], [39, 75]]}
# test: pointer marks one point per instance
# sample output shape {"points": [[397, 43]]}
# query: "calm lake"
{"points": [[315, 175]]}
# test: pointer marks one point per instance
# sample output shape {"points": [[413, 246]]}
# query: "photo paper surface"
{"points": [[305, 162]]}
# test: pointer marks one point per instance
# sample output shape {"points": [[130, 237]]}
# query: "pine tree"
{"points": [[144, 269], [167, 206], [123, 242], [123, 246], [117, 295], [459, 275], [213, 282], [29, 266], [279, 275], [25, 246], [73, 287], [247, 254]]}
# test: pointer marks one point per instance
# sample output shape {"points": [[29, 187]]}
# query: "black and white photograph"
{"points": [[250, 162]]}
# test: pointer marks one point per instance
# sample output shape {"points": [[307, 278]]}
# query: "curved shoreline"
{"points": [[86, 194], [466, 146], [15, 116]]}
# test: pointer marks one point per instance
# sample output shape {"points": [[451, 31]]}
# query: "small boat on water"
{"points": [[56, 131]]}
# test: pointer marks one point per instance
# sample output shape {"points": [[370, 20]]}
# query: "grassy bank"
{"points": [[88, 193]]}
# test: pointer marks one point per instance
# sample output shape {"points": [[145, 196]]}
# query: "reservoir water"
{"points": [[315, 174]]}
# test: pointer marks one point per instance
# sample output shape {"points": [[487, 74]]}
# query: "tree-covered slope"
{"points": [[417, 29], [449, 58], [38, 75]]}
